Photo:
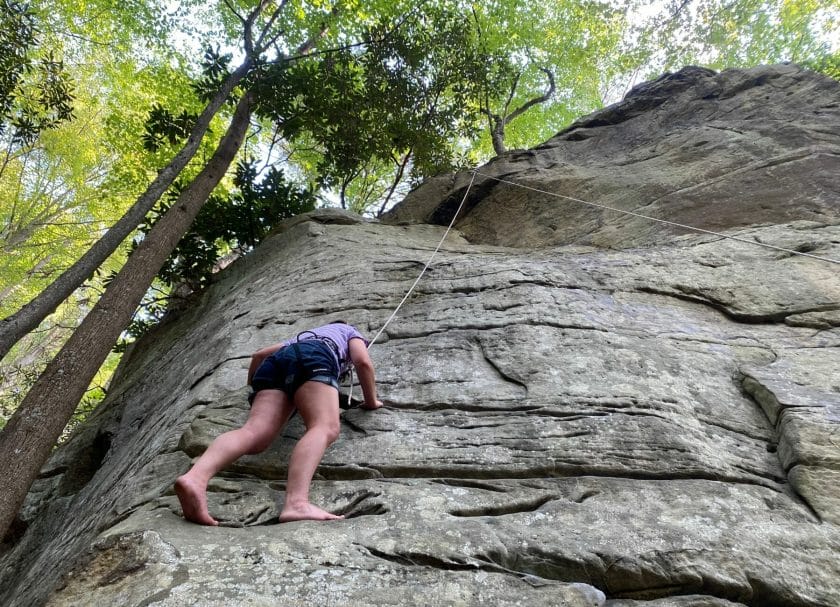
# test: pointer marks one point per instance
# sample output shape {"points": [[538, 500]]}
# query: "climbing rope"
{"points": [[411, 289], [665, 221], [585, 202], [428, 263]]}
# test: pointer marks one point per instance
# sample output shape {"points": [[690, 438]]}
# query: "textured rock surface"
{"points": [[739, 148], [596, 413]]}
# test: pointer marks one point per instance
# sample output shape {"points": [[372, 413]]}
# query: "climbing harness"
{"points": [[345, 367], [332, 345]]}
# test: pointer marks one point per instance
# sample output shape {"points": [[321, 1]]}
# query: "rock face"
{"points": [[584, 408]]}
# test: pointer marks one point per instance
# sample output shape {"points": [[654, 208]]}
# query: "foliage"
{"points": [[398, 103], [738, 33], [215, 67], [577, 41], [828, 65], [163, 127], [61, 186], [35, 89], [422, 90], [230, 224]]}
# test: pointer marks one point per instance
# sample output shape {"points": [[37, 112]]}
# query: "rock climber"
{"points": [[300, 374]]}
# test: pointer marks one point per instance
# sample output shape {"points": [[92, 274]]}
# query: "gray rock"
{"points": [[714, 151], [582, 409]]}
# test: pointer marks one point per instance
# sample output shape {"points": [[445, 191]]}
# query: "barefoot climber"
{"points": [[297, 374]]}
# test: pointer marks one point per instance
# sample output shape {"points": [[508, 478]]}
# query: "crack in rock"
{"points": [[503, 509]]}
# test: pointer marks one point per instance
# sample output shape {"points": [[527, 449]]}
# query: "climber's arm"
{"points": [[258, 357], [364, 368]]}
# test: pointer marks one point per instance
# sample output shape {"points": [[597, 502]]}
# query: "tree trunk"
{"points": [[27, 439], [13, 328], [396, 181], [497, 135], [499, 122]]}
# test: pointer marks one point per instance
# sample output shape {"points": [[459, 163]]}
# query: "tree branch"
{"points": [[513, 86], [536, 100], [247, 28], [261, 40], [396, 181], [232, 9]]}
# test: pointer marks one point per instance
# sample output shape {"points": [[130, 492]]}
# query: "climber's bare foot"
{"points": [[193, 500], [306, 512]]}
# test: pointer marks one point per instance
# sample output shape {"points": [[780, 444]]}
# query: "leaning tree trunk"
{"points": [[30, 434], [14, 327]]}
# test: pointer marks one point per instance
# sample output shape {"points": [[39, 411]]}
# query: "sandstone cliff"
{"points": [[584, 407]]}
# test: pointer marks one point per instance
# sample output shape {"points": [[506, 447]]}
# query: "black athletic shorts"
{"points": [[293, 365]]}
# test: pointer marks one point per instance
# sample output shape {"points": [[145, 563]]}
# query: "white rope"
{"points": [[428, 263], [411, 289], [588, 203], [665, 221]]}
